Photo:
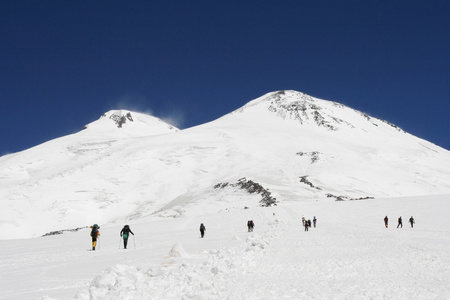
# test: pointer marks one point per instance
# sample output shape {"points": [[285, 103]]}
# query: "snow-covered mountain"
{"points": [[283, 147]]}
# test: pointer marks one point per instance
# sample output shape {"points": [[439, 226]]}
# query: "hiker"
{"points": [[307, 224], [94, 234], [303, 220], [386, 222], [400, 222], [411, 220], [125, 233], [202, 229], [250, 225], [314, 221]]}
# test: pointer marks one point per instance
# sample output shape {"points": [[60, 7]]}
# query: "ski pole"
{"points": [[134, 241], [120, 240]]}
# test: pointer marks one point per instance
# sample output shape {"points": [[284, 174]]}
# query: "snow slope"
{"points": [[295, 148], [350, 255], [65, 181], [302, 152]]}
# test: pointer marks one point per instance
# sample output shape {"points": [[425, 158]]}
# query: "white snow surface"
{"points": [[349, 255], [132, 168], [129, 166]]}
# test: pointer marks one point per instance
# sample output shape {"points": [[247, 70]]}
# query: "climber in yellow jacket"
{"points": [[94, 234]]}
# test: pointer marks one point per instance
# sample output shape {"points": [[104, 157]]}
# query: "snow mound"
{"points": [[178, 251], [212, 279], [118, 282], [349, 255]]}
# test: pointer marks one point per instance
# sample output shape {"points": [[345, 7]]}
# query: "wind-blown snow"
{"points": [[296, 154], [296, 147]]}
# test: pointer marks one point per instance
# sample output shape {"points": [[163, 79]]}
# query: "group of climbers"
{"points": [[400, 222], [124, 233], [307, 223]]}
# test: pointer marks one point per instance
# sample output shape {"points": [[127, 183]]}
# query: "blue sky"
{"points": [[64, 63]]}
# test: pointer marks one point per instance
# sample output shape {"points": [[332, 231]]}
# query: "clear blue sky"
{"points": [[64, 63]]}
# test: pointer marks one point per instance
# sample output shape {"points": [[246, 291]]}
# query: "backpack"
{"points": [[94, 231], [125, 231]]}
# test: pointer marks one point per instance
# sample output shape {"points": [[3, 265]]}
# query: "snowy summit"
{"points": [[281, 156], [127, 165], [126, 123]]}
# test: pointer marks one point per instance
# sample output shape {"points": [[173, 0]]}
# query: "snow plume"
{"points": [[175, 117], [139, 103], [134, 102], [302, 148]]}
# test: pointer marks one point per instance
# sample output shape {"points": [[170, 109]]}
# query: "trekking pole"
{"points": [[134, 241], [120, 240]]}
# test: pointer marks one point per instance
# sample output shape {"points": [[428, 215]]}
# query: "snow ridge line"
{"points": [[222, 275]]}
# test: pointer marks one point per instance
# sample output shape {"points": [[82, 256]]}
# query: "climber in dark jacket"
{"points": [[202, 230], [125, 233], [400, 223], [250, 225]]}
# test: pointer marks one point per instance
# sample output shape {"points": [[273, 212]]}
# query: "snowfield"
{"points": [[127, 166], [308, 156], [350, 255]]}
